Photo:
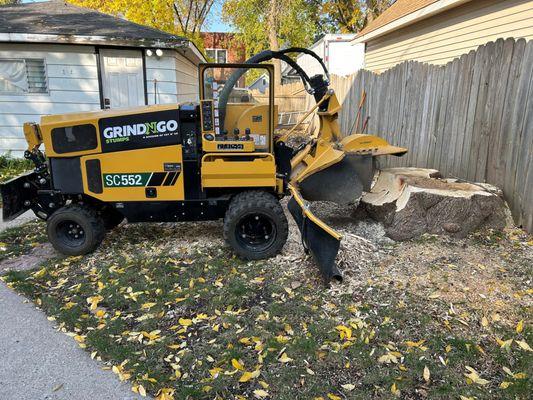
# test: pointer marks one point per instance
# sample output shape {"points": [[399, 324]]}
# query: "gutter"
{"points": [[93, 40], [409, 19]]}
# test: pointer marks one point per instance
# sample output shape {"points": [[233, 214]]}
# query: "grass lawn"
{"points": [[169, 308], [11, 167]]}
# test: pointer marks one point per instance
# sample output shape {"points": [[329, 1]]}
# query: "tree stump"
{"points": [[413, 201]]}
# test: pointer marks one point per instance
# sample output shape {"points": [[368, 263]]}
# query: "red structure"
{"points": [[223, 47]]}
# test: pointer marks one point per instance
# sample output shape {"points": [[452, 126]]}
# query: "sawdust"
{"points": [[487, 272]]}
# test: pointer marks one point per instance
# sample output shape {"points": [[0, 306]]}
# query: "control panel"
{"points": [[188, 115], [208, 116], [217, 139]]}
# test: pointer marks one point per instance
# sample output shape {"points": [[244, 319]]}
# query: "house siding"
{"points": [[72, 87], [72, 74], [171, 78], [448, 35]]}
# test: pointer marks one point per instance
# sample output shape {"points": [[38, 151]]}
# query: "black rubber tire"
{"points": [[91, 230], [251, 205], [111, 217]]}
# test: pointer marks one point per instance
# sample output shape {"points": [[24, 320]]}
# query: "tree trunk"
{"points": [[411, 202], [273, 17]]}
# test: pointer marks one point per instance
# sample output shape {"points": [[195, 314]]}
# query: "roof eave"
{"points": [[92, 40], [409, 19], [197, 54]]}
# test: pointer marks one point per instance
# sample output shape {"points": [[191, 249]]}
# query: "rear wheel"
{"points": [[75, 230], [255, 225]]}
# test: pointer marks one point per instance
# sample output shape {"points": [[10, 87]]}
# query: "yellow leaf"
{"points": [[185, 322], [520, 326], [505, 385], [237, 365], [473, 376], [504, 344], [410, 343], [165, 394], [394, 390], [523, 345], [93, 301], [263, 384], [284, 358], [333, 397], [344, 332], [349, 387], [426, 374], [465, 398], [39, 273], [147, 306], [246, 376], [388, 358], [260, 393], [484, 322], [309, 371], [520, 375]]}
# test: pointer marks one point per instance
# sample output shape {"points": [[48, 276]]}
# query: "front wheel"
{"points": [[75, 230], [255, 225]]}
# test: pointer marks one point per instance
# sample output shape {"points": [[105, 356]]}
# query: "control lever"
{"points": [[247, 134], [236, 133]]}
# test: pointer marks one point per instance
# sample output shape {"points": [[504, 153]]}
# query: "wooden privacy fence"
{"points": [[471, 118]]}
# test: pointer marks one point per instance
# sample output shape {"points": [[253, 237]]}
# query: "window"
{"points": [[23, 76], [217, 55], [74, 138]]}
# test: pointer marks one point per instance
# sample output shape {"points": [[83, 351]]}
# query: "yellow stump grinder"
{"points": [[218, 158]]}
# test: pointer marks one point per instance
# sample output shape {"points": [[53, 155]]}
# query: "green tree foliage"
{"points": [[346, 16], [6, 2], [182, 17], [271, 24]]}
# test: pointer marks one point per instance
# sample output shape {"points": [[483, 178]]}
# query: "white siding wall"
{"points": [[72, 83], [171, 78]]}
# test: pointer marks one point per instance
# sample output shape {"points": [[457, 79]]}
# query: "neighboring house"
{"points": [[335, 49], [437, 31], [223, 47], [59, 58]]}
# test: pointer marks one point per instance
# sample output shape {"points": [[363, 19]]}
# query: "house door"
{"points": [[122, 78]]}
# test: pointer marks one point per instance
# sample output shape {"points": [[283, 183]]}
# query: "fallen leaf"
{"points": [[237, 365], [260, 393], [523, 345], [520, 326], [349, 387], [426, 374], [284, 358]]}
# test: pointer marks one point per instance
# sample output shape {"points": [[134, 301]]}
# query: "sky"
{"points": [[214, 20]]}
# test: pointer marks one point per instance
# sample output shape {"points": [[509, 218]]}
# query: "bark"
{"points": [[412, 201], [273, 18]]}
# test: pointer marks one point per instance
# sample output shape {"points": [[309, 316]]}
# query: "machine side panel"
{"points": [[66, 175], [153, 174]]}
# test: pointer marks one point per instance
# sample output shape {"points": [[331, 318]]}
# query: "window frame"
{"points": [[216, 50], [46, 79]]}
